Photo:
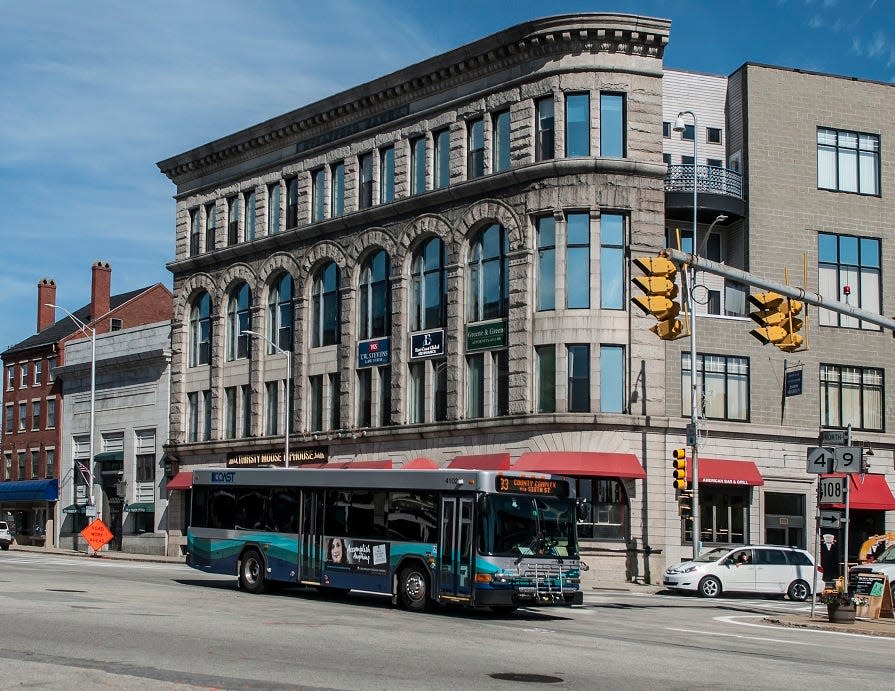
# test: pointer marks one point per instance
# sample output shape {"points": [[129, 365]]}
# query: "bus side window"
{"points": [[221, 509]]}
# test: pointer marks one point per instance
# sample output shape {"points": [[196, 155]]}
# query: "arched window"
{"points": [[279, 313], [488, 277], [373, 297], [325, 315], [200, 331], [239, 319], [428, 286]]}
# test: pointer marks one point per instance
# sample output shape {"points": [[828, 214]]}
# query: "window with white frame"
{"points": [[200, 331], [545, 356], [273, 208], [7, 465], [577, 260], [849, 271], [239, 320], [577, 125], [23, 379], [325, 312], [487, 274], [280, 313], [373, 297], [612, 261], [851, 395], [612, 379], [35, 464], [546, 266], [50, 467], [9, 418], [544, 129], [51, 413], [10, 377], [23, 416], [145, 454], [723, 381], [612, 125], [442, 142], [848, 161], [210, 227], [38, 372], [35, 415], [337, 189], [428, 286]]}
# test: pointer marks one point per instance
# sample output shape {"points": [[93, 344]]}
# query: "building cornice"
{"points": [[388, 95]]}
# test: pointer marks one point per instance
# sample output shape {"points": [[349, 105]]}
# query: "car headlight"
{"points": [[689, 569]]}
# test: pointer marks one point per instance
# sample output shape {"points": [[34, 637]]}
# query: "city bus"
{"points": [[497, 539]]}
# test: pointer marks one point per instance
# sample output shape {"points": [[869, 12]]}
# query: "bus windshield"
{"points": [[523, 525]]}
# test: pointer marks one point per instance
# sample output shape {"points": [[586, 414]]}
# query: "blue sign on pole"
{"points": [[793, 383], [373, 353]]}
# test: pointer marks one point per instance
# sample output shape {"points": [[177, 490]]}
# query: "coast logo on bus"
{"points": [[222, 477]]}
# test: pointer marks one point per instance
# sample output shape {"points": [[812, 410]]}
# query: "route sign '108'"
{"points": [[832, 490]]}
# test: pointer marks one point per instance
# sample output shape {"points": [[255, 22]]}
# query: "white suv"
{"points": [[5, 535], [765, 569]]}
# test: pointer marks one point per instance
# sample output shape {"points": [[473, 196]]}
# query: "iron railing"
{"points": [[709, 179]]}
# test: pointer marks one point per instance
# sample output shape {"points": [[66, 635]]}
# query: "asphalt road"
{"points": [[76, 623]]}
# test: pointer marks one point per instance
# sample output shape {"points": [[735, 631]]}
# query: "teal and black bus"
{"points": [[498, 539]]}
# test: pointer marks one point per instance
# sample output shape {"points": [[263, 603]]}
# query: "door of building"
{"points": [[784, 519]]}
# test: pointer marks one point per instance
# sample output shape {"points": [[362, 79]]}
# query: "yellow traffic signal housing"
{"points": [[679, 469], [777, 323], [660, 299]]}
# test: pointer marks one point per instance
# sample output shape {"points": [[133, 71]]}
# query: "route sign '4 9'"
{"points": [[820, 459]]}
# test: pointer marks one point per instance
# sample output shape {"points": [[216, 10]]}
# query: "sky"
{"points": [[94, 93]]}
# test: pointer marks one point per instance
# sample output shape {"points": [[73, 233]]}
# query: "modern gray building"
{"points": [[131, 414], [444, 254]]}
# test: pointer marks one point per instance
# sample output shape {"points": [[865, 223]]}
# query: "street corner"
{"points": [[863, 627]]}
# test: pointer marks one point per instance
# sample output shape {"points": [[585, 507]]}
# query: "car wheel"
{"points": [[251, 572], [413, 589], [798, 591], [709, 587]]}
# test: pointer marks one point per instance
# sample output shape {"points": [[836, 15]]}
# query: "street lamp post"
{"points": [[287, 396], [693, 432], [88, 331]]}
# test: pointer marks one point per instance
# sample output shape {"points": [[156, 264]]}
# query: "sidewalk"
{"points": [[103, 554], [866, 627]]}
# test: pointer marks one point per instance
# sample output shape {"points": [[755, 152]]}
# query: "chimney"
{"points": [[101, 290], [46, 295]]}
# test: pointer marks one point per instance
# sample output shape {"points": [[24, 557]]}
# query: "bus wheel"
{"points": [[413, 589], [251, 572]]}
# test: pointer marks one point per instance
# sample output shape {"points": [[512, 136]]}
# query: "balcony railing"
{"points": [[709, 180]]}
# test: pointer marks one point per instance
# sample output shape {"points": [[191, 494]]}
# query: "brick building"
{"points": [[32, 396], [445, 252]]}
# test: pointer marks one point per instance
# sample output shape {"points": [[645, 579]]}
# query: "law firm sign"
{"points": [[486, 336], [374, 352]]}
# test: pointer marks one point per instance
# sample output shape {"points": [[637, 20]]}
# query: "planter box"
{"points": [[841, 614]]}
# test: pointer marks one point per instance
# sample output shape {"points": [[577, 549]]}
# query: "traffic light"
{"points": [[660, 295], [679, 469], [685, 505], [777, 321]]}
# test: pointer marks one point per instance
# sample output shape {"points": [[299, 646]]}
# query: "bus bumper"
{"points": [[491, 598]]}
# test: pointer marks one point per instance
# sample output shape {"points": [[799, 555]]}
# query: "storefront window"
{"points": [[723, 517], [603, 513]]}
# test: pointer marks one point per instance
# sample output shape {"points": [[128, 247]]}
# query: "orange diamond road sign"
{"points": [[97, 534]]}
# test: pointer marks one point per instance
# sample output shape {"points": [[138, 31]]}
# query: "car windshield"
{"points": [[887, 557], [713, 554]]}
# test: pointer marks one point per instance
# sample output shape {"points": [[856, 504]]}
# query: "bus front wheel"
{"points": [[413, 589], [251, 572]]}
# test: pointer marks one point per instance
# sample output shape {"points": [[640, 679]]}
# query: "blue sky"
{"points": [[94, 93]]}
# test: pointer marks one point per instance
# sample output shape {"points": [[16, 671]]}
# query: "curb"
{"points": [[867, 627]]}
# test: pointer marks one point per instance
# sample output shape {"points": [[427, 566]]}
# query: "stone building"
{"points": [[444, 254], [130, 428]]}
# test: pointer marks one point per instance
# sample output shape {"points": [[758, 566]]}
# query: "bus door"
{"points": [[310, 550], [455, 548]]}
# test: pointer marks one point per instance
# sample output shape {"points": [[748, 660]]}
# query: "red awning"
{"points": [[421, 464], [582, 464], [717, 471], [485, 461], [357, 465], [183, 480], [867, 492]]}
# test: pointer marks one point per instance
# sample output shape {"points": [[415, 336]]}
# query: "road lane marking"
{"points": [[714, 634], [731, 620]]}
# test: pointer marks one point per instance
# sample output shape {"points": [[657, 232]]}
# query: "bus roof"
{"points": [[470, 480]]}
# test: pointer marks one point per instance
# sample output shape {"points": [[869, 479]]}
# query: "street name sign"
{"points": [[832, 490], [820, 459], [830, 519]]}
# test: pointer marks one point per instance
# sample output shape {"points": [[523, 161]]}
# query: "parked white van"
{"points": [[5, 535], [765, 569]]}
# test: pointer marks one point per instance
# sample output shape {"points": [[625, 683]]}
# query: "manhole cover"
{"points": [[532, 678]]}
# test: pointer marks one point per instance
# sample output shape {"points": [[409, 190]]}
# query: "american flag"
{"points": [[83, 468]]}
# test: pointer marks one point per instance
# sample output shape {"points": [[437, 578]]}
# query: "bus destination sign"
{"points": [[532, 485]]}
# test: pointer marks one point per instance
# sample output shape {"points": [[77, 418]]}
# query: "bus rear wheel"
{"points": [[413, 589], [251, 572]]}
